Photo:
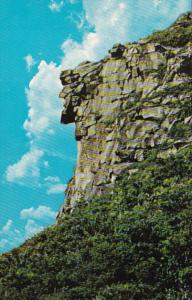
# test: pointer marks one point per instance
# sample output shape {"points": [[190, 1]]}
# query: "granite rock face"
{"points": [[137, 98]]}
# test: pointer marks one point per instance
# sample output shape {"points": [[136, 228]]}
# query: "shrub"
{"points": [[134, 243]]}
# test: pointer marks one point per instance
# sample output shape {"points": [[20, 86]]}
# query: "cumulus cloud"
{"points": [[56, 6], [118, 21], [26, 167], [57, 189], [30, 62], [31, 228], [42, 125], [110, 24], [7, 226], [39, 213], [42, 95]]}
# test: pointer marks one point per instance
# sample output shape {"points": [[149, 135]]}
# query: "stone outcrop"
{"points": [[135, 99]]}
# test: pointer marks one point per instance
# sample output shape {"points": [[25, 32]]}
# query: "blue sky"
{"points": [[39, 38]]}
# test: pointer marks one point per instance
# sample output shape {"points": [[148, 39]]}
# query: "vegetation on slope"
{"points": [[177, 35], [133, 243]]}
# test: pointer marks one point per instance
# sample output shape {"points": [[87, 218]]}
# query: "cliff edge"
{"points": [[135, 99]]}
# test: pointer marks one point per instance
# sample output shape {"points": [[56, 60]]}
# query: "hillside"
{"points": [[128, 233], [133, 244]]}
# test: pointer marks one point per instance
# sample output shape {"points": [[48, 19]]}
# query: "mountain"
{"points": [[133, 100], [124, 231]]}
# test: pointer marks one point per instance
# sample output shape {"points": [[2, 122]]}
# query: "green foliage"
{"points": [[180, 130], [133, 243], [175, 36]]}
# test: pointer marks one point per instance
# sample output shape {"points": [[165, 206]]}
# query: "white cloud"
{"points": [[57, 189], [54, 185], [52, 179], [110, 20], [42, 126], [118, 21], [7, 226], [40, 213], [157, 2], [30, 62], [42, 94], [56, 6], [26, 167], [31, 228]]}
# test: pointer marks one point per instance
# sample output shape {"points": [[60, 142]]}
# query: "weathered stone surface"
{"points": [[153, 113], [137, 98]]}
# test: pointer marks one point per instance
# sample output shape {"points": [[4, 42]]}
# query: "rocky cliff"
{"points": [[137, 98]]}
